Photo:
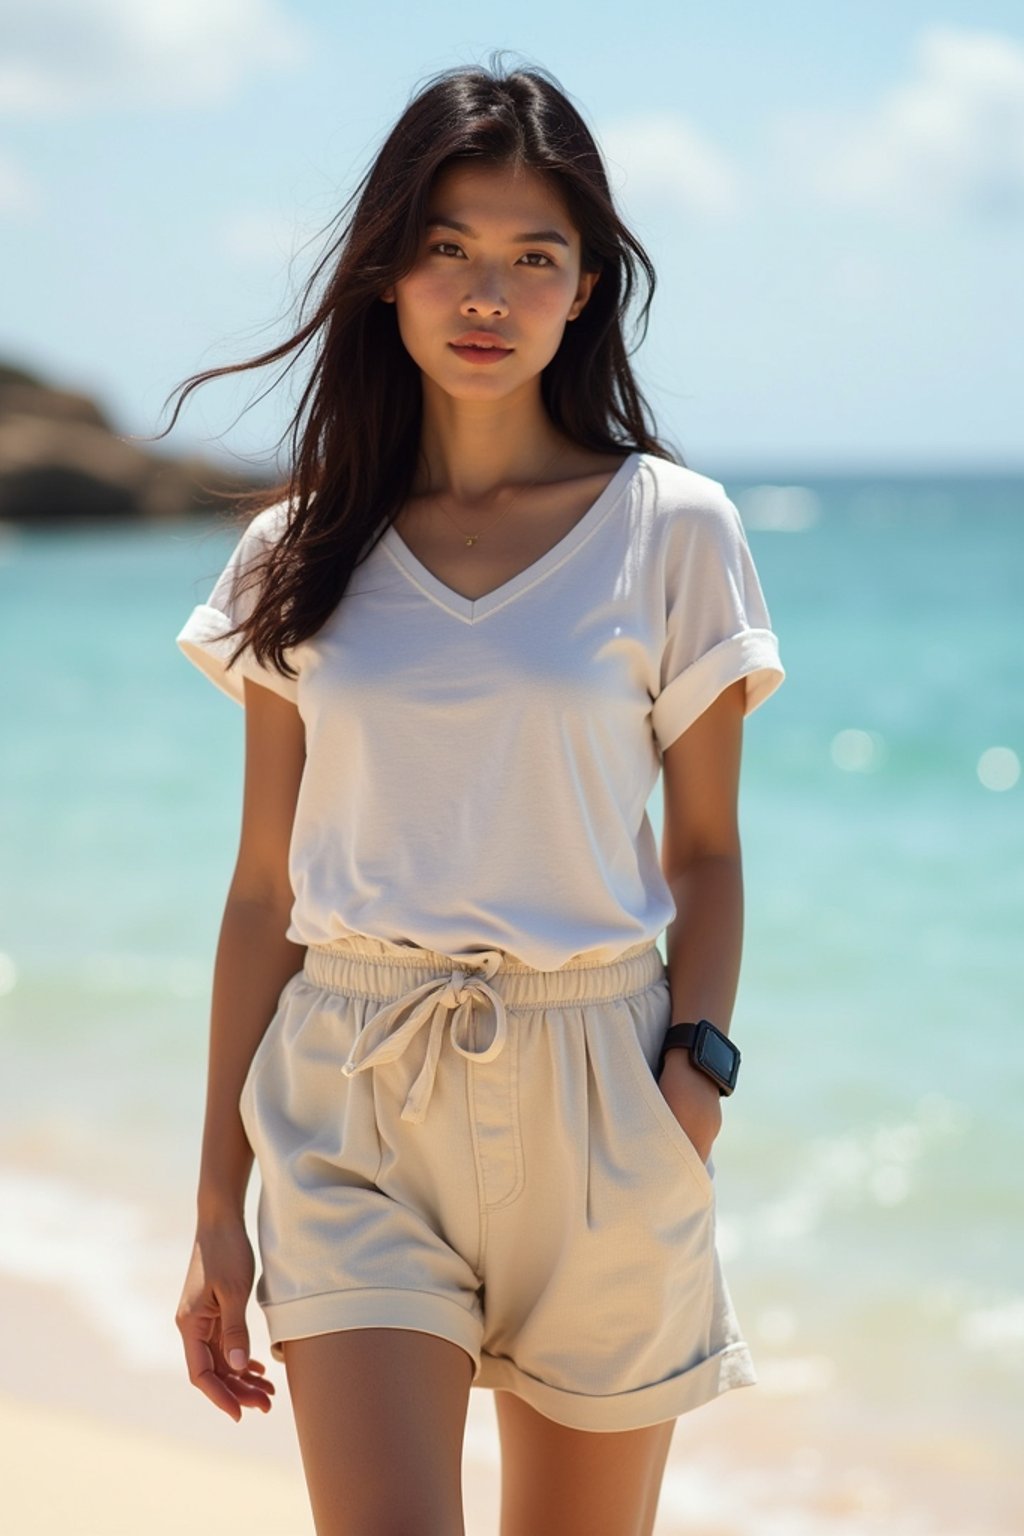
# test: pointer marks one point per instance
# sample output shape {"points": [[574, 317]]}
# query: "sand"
{"points": [[65, 1472], [96, 1445]]}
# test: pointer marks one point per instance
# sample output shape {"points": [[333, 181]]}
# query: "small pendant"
{"points": [[473, 538]]}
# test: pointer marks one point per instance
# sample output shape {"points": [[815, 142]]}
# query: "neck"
{"points": [[470, 455]]}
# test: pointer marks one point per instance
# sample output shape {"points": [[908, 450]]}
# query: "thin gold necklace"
{"points": [[471, 538]]}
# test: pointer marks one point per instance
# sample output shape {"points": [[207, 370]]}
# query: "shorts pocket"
{"points": [[266, 1040], [658, 1106]]}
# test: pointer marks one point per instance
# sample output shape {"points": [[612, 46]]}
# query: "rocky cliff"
{"points": [[62, 459]]}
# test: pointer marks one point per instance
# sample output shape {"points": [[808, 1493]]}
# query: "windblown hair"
{"points": [[355, 437]]}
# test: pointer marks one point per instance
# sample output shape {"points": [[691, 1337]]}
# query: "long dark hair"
{"points": [[356, 434]]}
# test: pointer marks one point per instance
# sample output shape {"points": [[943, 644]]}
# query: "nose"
{"points": [[486, 300]]}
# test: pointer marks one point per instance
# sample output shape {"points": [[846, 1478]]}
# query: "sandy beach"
{"points": [[67, 1472], [100, 1448]]}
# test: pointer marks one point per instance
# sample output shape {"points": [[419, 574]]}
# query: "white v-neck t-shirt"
{"points": [[478, 770]]}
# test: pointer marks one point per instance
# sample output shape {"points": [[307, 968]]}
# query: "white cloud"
{"points": [[658, 158], [948, 140], [19, 196], [65, 57]]}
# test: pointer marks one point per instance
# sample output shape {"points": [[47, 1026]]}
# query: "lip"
{"points": [[483, 355], [481, 338]]}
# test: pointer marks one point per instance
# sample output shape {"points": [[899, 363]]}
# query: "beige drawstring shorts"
{"points": [[473, 1148]]}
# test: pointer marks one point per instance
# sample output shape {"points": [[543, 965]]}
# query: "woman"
{"points": [[484, 610]]}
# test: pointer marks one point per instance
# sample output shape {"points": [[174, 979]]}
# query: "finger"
{"points": [[219, 1393], [259, 1381], [251, 1389], [255, 1366], [250, 1386], [263, 1384], [202, 1374], [249, 1378], [234, 1336], [252, 1394]]}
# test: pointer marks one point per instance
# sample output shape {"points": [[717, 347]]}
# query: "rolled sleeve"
{"points": [[717, 625], [204, 637]]}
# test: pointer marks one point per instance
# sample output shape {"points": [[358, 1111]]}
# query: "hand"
{"points": [[693, 1098], [211, 1319]]}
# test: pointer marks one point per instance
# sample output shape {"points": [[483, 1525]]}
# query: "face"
{"points": [[486, 277]]}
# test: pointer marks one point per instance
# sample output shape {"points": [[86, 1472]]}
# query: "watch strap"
{"points": [[685, 1035], [677, 1035]]}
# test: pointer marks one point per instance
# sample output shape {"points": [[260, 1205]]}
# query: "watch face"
{"points": [[719, 1054]]}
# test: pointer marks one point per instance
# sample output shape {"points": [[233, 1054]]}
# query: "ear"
{"points": [[388, 296], [583, 292]]}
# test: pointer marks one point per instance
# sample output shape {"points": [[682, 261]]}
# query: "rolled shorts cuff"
{"points": [[728, 1367], [374, 1307]]}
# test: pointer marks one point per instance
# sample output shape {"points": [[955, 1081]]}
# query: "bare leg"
{"points": [[557, 1481], [381, 1416]]}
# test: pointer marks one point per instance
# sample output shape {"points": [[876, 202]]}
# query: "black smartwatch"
{"points": [[712, 1051]]}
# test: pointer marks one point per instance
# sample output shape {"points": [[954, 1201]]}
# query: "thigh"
{"points": [[557, 1481], [600, 1282], [380, 1415]]}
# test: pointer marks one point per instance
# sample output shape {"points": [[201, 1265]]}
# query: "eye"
{"points": [[453, 246]]}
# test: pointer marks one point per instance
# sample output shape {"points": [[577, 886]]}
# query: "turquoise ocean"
{"points": [[869, 1170]]}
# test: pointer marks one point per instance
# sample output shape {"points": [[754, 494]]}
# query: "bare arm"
{"points": [[702, 863], [254, 959]]}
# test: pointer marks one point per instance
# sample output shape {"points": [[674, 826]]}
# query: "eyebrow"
{"points": [[544, 236]]}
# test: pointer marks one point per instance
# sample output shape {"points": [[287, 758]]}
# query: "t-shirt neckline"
{"points": [[472, 609]]}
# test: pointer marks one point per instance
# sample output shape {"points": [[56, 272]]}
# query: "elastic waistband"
{"points": [[369, 967]]}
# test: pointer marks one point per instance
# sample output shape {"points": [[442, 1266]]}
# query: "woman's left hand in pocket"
{"points": [[693, 1098]]}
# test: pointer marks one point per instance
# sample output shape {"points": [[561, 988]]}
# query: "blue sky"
{"points": [[833, 198]]}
